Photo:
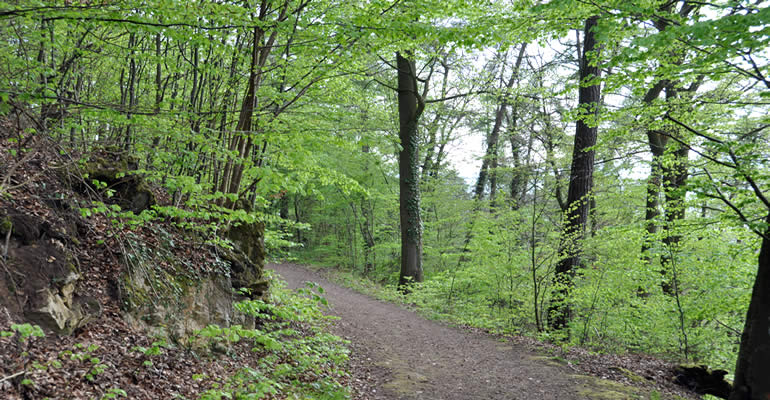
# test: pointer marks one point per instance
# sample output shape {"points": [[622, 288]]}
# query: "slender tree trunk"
{"points": [[581, 182], [550, 159], [493, 182], [517, 181], [519, 178], [297, 218], [132, 78], [433, 127], [367, 226], [409, 110], [490, 158], [241, 141], [751, 371], [657, 142], [368, 236], [491, 153]]}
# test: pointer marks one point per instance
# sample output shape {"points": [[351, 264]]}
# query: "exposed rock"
{"points": [[244, 272], [41, 277], [153, 298], [115, 168], [157, 290], [247, 260], [703, 380], [62, 314]]}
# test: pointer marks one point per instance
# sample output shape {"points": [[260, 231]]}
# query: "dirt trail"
{"points": [[410, 357]]}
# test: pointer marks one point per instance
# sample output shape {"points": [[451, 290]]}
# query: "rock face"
{"points": [[169, 303], [113, 168], [41, 277], [159, 293], [156, 285], [247, 259]]}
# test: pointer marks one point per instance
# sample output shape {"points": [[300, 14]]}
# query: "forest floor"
{"points": [[397, 354]]}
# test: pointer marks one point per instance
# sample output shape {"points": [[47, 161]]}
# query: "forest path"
{"points": [[409, 357]]}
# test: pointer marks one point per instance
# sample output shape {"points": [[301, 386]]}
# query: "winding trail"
{"points": [[409, 357]]}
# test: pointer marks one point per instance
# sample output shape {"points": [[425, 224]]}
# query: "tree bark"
{"points": [[581, 182], [674, 173], [367, 225], [657, 143], [410, 107], [242, 142], [520, 172], [490, 158], [367, 233], [751, 370]]}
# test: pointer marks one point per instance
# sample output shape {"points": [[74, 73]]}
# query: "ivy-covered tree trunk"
{"points": [[753, 367], [581, 181], [410, 107]]}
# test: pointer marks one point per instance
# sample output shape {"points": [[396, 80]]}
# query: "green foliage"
{"points": [[318, 159], [149, 352], [295, 362], [84, 355], [24, 332], [114, 393]]}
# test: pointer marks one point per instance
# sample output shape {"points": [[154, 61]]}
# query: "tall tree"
{"points": [[667, 171], [581, 178], [410, 107], [490, 160], [726, 47]]}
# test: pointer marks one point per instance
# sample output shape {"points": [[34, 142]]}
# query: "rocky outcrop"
{"points": [[247, 258], [158, 292], [169, 289], [39, 281], [112, 169]]}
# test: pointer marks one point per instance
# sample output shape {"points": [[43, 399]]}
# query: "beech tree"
{"points": [[734, 171], [581, 177], [410, 106]]}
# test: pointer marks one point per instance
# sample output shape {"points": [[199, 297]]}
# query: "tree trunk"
{"points": [[657, 142], [491, 154], [674, 181], [241, 141], [439, 120], [367, 225], [409, 110], [367, 232], [520, 174], [751, 371], [490, 158], [581, 182]]}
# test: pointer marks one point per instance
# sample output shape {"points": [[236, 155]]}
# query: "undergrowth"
{"points": [[298, 359]]}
